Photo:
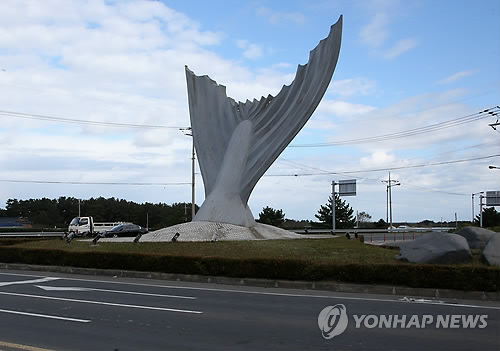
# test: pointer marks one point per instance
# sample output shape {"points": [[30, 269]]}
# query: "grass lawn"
{"points": [[330, 250]]}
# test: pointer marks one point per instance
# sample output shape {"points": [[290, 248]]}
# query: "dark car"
{"points": [[126, 230]]}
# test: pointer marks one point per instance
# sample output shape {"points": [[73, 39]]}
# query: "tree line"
{"points": [[59, 212]]}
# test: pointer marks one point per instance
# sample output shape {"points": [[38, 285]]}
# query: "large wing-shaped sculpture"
{"points": [[237, 142]]}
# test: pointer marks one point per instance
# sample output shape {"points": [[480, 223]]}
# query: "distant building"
{"points": [[15, 222]]}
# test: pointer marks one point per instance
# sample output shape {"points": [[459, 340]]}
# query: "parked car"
{"points": [[126, 230]]}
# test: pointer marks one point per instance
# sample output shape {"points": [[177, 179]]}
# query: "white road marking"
{"points": [[33, 281], [46, 316], [395, 300], [102, 303], [64, 288]]}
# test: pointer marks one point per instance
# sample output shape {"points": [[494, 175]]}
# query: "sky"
{"points": [[407, 96]]}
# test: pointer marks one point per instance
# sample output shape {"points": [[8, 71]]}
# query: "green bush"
{"points": [[461, 277]]}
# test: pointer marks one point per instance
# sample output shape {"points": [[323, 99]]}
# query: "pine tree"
{"points": [[271, 216], [343, 213]]}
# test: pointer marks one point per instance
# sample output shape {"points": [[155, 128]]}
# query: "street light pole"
{"points": [[333, 206], [473, 194], [189, 132], [481, 211], [193, 206]]}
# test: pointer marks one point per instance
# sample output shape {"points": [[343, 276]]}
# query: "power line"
{"points": [[377, 180], [80, 121], [433, 190], [87, 183], [493, 111], [384, 169]]}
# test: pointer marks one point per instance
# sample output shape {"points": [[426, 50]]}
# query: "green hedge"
{"points": [[461, 277]]}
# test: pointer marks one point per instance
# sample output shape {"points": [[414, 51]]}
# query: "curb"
{"points": [[266, 283]]}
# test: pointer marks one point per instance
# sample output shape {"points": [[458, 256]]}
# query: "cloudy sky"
{"points": [[406, 96]]}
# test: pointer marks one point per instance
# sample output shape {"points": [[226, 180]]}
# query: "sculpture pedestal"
{"points": [[204, 231]]}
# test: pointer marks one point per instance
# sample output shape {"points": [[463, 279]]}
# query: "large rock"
{"points": [[476, 237], [491, 253], [436, 247]]}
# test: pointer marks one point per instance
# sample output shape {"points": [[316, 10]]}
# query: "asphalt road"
{"points": [[70, 312]]}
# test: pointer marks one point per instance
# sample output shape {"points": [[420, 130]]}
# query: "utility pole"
{"points": [[387, 203], [390, 201], [390, 184], [79, 215]]}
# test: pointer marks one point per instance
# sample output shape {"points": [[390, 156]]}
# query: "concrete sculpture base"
{"points": [[204, 231]]}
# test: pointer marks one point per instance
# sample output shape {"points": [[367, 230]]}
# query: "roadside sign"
{"points": [[347, 187], [493, 198]]}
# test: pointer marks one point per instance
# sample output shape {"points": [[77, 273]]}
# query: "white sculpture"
{"points": [[237, 142]]}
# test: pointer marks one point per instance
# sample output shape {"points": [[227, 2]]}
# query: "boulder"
{"points": [[476, 237], [438, 248], [491, 252]]}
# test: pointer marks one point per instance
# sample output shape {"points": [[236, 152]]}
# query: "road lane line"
{"points": [[63, 288], [102, 303], [22, 347], [33, 281], [45, 316], [266, 293]]}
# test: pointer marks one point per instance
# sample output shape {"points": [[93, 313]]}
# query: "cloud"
{"points": [[352, 87], [400, 47], [277, 17], [343, 109], [456, 76], [375, 33], [250, 51], [377, 159]]}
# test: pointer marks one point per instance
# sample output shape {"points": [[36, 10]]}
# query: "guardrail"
{"points": [[370, 231], [31, 234], [393, 236]]}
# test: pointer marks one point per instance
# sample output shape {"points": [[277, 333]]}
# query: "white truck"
{"points": [[82, 226]]}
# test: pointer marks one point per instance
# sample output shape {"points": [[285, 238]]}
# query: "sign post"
{"points": [[346, 188]]}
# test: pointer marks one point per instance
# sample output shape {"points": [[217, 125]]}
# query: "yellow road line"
{"points": [[22, 347]]}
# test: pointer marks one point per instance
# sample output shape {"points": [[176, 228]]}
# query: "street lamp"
{"points": [[473, 194]]}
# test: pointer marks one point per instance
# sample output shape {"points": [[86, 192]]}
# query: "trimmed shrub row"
{"points": [[412, 275]]}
